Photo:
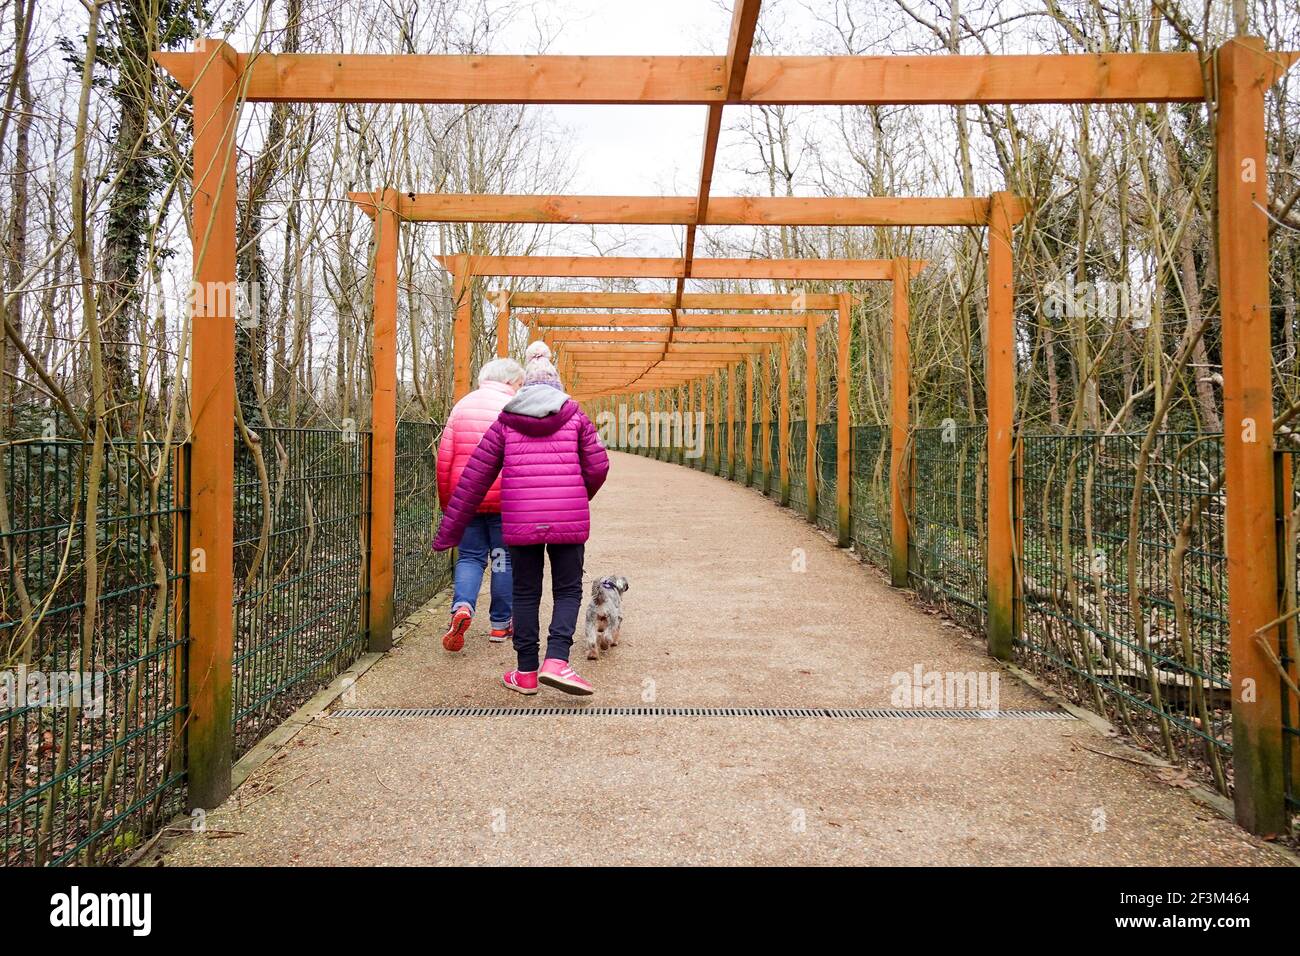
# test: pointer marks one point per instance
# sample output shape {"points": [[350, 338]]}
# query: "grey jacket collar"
{"points": [[537, 401]]}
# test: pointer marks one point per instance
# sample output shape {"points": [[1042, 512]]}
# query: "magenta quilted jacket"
{"points": [[551, 463]]}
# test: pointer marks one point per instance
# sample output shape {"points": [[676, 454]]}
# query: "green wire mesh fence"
{"points": [[869, 506], [798, 480], [726, 453], [947, 521], [774, 481], [418, 572], [300, 500], [88, 783], [827, 509], [1125, 584], [93, 705]]}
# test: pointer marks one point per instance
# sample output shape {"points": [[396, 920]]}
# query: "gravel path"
{"points": [[717, 616]]}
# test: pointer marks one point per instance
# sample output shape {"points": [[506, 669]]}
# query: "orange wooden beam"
{"points": [[900, 462], [843, 436], [462, 296], [1244, 73], [665, 300], [209, 737], [783, 421], [1000, 387], [769, 80], [810, 417], [765, 409], [681, 210], [656, 335], [383, 428], [633, 267], [503, 322], [750, 366], [688, 320]]}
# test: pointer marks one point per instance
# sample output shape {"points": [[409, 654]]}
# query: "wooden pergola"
{"points": [[220, 79]]}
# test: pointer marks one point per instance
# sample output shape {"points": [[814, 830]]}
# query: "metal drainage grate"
{"points": [[847, 713]]}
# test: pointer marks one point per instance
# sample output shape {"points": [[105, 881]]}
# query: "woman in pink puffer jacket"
{"points": [[481, 543], [551, 463]]}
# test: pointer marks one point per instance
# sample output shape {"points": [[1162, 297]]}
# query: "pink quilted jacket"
{"points": [[550, 462], [469, 420]]}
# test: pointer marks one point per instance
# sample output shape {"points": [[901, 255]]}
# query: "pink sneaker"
{"points": [[521, 682], [454, 639], [560, 675]]}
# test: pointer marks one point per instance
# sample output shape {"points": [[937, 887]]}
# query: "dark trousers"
{"points": [[526, 561]]}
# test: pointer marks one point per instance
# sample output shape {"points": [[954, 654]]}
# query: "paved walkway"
{"points": [[717, 616]]}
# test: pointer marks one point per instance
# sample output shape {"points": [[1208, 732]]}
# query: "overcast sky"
{"points": [[629, 150]]}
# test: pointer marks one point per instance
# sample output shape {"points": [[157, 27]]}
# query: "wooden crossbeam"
{"points": [[683, 347], [682, 211], [655, 335], [769, 80], [687, 320], [664, 268], [682, 359], [666, 300]]}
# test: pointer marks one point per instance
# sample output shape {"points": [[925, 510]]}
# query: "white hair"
{"points": [[502, 370]]}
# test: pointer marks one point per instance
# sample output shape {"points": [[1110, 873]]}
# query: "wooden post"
{"points": [[900, 463], [765, 409], [209, 732], [383, 426], [1000, 386], [462, 287], [684, 405], [732, 398], [703, 409], [718, 419], [503, 326], [670, 399], [1244, 75], [810, 415], [643, 403], [749, 420], [783, 420], [696, 391], [658, 400], [843, 480]]}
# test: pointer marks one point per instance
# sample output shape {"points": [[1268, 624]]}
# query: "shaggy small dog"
{"points": [[604, 614]]}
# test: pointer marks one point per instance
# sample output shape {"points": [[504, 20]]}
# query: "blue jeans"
{"points": [[481, 545]]}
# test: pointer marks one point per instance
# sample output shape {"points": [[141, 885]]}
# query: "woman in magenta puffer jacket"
{"points": [[481, 544], [551, 463]]}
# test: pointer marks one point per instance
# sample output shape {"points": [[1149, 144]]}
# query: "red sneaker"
{"points": [[500, 634], [454, 639]]}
